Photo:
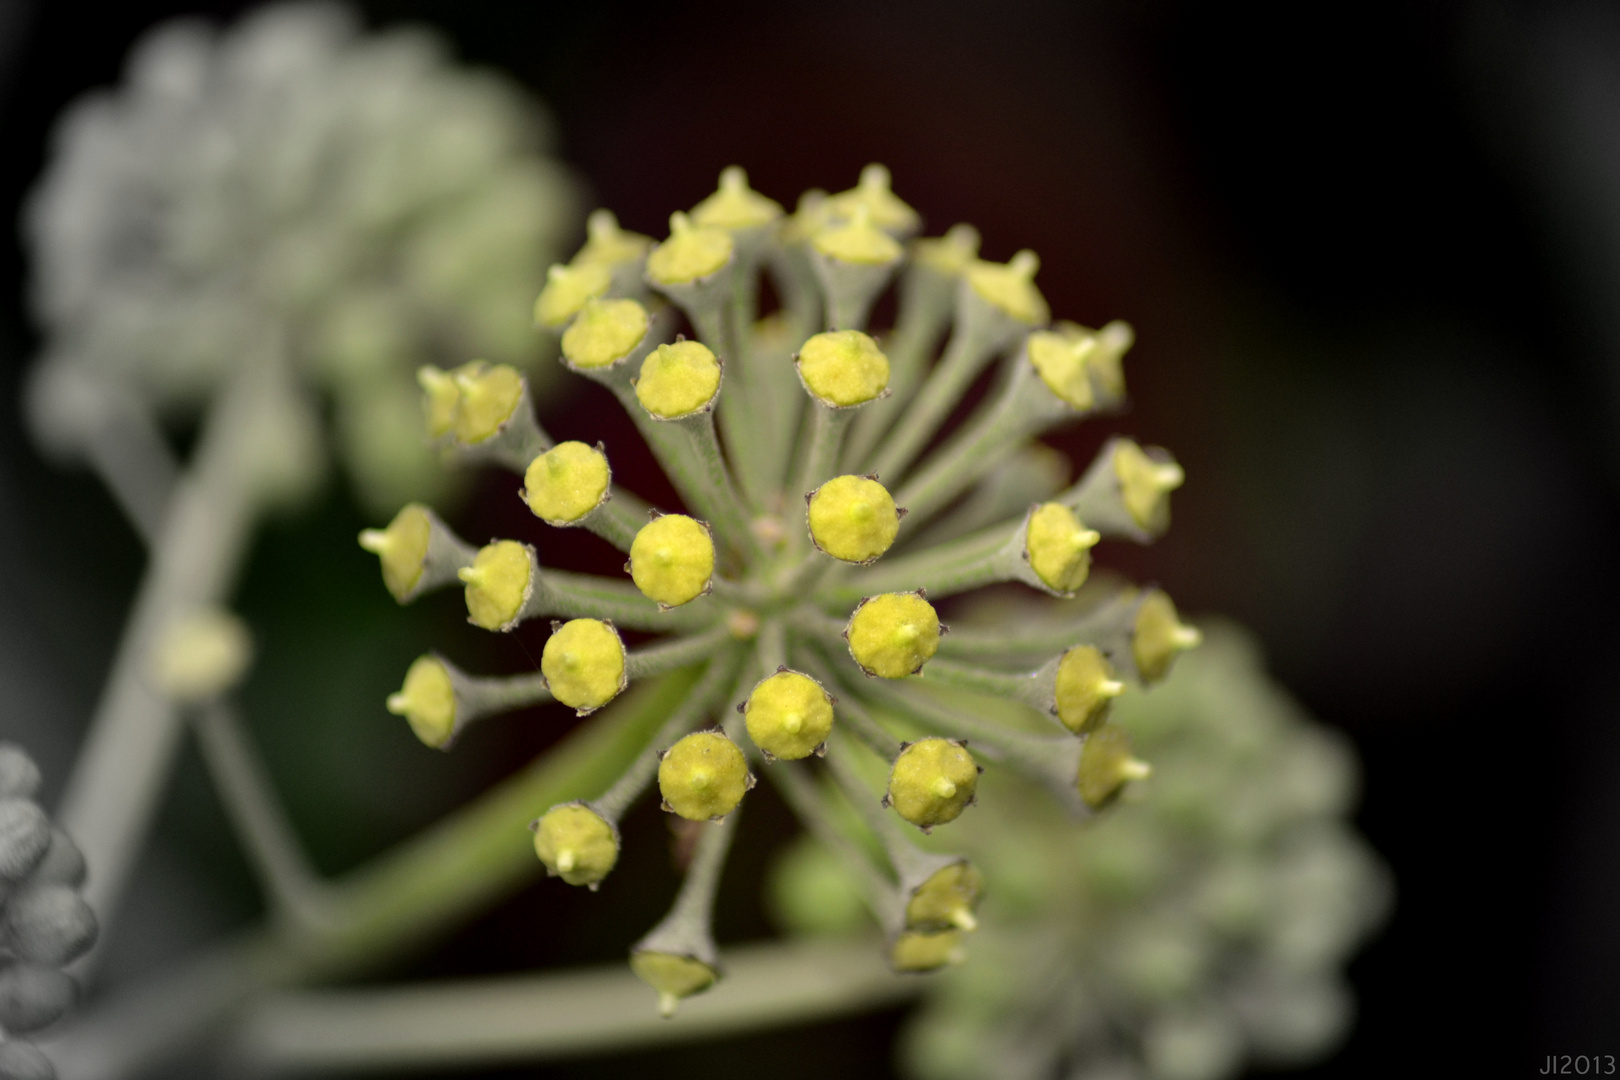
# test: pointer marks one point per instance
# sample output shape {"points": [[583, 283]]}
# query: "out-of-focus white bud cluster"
{"points": [[292, 189], [44, 922]]}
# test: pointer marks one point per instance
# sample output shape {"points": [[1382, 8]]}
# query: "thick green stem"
{"points": [[942, 571], [969, 350], [587, 596]]}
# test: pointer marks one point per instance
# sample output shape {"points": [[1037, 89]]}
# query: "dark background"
{"points": [[1370, 253]]}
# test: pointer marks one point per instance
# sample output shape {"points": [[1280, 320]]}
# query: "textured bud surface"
{"points": [[789, 715], [566, 482], [946, 900], [915, 952], [932, 781], [678, 380], [843, 368], [605, 332], [673, 976], [893, 635], [1010, 287], [498, 582], [1059, 547], [704, 776], [576, 844], [1085, 685], [567, 290], [583, 663], [1106, 764], [427, 701], [690, 254], [401, 548], [1061, 362], [1160, 636], [489, 398], [853, 518], [672, 559]]}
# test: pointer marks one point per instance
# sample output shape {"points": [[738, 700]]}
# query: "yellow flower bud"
{"points": [[932, 781], [735, 205], [1113, 342], [874, 195], [201, 655], [427, 701], [583, 663], [576, 844], [857, 241], [853, 518], [566, 482], [914, 952], [946, 900], [673, 976], [1061, 362], [1011, 287], [703, 776], [678, 380], [893, 635], [1145, 485], [690, 253], [1059, 547], [489, 397], [1105, 764], [498, 584], [789, 715], [606, 244], [950, 254], [808, 217], [672, 559], [604, 332], [1159, 636], [402, 548], [567, 289], [843, 368], [439, 400], [1084, 687]]}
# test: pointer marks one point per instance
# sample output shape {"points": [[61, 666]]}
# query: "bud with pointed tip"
{"points": [[1084, 687], [672, 559], [678, 380], [440, 400], [735, 205], [567, 290], [1059, 547], [674, 976], [583, 663], [946, 899], [843, 368], [427, 701], [915, 952], [19, 776], [1106, 764], [201, 654], [1010, 287], [893, 635], [418, 552], [947, 255], [1159, 636], [607, 244], [499, 583], [853, 518], [856, 241], [604, 333], [1061, 360], [576, 844], [703, 776], [874, 195], [33, 996], [1145, 483], [566, 482], [789, 715], [488, 399], [691, 253], [932, 781]]}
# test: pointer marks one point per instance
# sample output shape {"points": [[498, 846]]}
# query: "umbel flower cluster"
{"points": [[825, 517]]}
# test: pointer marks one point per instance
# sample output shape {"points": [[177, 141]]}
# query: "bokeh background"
{"points": [[1372, 254]]}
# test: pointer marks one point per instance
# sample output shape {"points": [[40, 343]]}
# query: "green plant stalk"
{"points": [[717, 491], [965, 356], [588, 596], [924, 313], [941, 571], [618, 519]]}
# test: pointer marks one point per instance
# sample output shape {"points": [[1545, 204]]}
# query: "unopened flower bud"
{"points": [[1085, 685], [948, 255], [440, 399], [402, 548], [490, 396], [49, 924], [566, 482], [789, 715], [201, 655], [735, 205], [1106, 764], [1113, 342], [946, 900], [932, 781], [576, 844], [604, 332], [24, 1061], [843, 368], [673, 976], [672, 559], [853, 518], [33, 996], [1010, 287], [1145, 484], [583, 663], [703, 776], [678, 380], [1059, 547], [607, 244], [857, 241], [498, 584], [25, 836], [1061, 360], [915, 952], [893, 635], [1159, 636], [567, 290], [873, 194], [690, 254], [427, 701]]}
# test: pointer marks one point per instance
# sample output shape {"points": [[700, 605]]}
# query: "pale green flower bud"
{"points": [[789, 715], [499, 583], [418, 552], [1058, 547], [932, 781], [1084, 687], [857, 241], [672, 559], [566, 482], [583, 663], [576, 844], [604, 333], [873, 194], [567, 290], [1010, 287], [691, 253], [1106, 764], [893, 635], [607, 244], [1159, 636], [853, 518], [673, 976], [427, 701], [916, 953], [946, 899], [703, 776], [201, 654], [678, 380], [1145, 485], [1061, 361]]}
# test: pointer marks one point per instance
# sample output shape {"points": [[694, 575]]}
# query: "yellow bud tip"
{"points": [[565, 861], [908, 633], [490, 397], [792, 722], [893, 635], [583, 662], [1110, 688], [691, 253], [374, 541], [788, 715], [944, 788], [397, 703], [667, 1004], [604, 332], [672, 559], [678, 380], [843, 368], [1058, 547], [472, 575], [703, 776], [963, 919], [853, 518], [567, 290], [1132, 769], [566, 483], [401, 548], [427, 701]]}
